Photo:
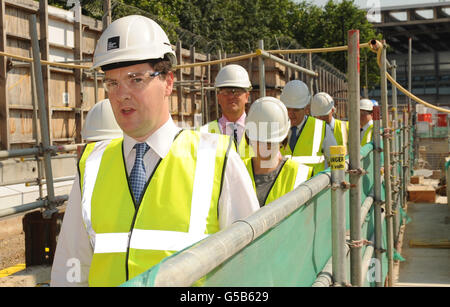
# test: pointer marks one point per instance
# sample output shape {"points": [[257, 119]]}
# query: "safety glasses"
{"points": [[134, 81], [232, 91]]}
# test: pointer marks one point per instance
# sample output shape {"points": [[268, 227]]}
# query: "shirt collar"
{"points": [[223, 121], [160, 141], [332, 123]]}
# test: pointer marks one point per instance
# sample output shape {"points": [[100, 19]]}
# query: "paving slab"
{"points": [[426, 266]]}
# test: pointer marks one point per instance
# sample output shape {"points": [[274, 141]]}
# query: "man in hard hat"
{"points": [[322, 107], [158, 189], [233, 91], [309, 138], [267, 126], [365, 120]]}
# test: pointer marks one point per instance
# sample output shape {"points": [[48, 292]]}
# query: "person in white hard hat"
{"points": [[158, 189], [100, 123], [365, 120], [309, 138], [233, 92], [322, 107], [266, 127]]}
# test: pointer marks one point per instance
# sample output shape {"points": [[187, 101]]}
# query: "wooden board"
{"points": [[421, 194]]}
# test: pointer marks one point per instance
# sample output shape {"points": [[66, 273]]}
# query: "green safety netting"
{"points": [[293, 252]]}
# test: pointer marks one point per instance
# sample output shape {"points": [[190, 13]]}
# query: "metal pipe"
{"points": [[387, 167], [354, 155], [400, 163], [35, 128], [407, 147], [367, 258], [42, 114], [197, 261], [14, 153], [405, 154], [378, 227], [337, 163], [262, 71], [325, 277], [60, 179], [35, 181], [365, 207], [395, 155], [310, 80], [42, 203], [267, 55], [4, 154]]}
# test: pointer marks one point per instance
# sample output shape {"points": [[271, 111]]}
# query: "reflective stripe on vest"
{"points": [[367, 137], [145, 239], [167, 220], [245, 150], [341, 133], [88, 182], [309, 144], [291, 175]]}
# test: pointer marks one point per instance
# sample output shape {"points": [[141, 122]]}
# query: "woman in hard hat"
{"points": [[267, 126]]}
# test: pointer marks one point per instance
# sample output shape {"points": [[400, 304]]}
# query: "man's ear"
{"points": [[169, 83], [248, 97]]}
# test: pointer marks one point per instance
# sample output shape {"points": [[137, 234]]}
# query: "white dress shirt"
{"points": [[74, 251]]}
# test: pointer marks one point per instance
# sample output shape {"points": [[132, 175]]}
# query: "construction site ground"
{"points": [[423, 243]]}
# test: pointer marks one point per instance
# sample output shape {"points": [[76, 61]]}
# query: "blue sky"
{"points": [[367, 3]]}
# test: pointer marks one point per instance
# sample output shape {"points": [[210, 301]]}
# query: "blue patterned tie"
{"points": [[137, 176], [293, 139]]}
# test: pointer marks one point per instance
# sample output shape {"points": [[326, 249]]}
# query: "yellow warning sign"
{"points": [[337, 157]]}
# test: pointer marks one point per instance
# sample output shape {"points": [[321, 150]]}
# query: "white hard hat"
{"points": [[233, 76], [366, 104], [132, 38], [321, 104], [295, 95], [267, 121], [100, 123]]}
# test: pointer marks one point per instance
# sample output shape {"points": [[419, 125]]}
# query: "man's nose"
{"points": [[122, 91]]}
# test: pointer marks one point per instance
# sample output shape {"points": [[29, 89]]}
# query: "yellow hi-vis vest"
{"points": [[367, 137], [178, 208], [308, 149], [245, 150], [340, 131], [291, 175]]}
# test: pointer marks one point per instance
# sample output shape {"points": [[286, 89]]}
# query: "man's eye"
{"points": [[137, 80]]}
